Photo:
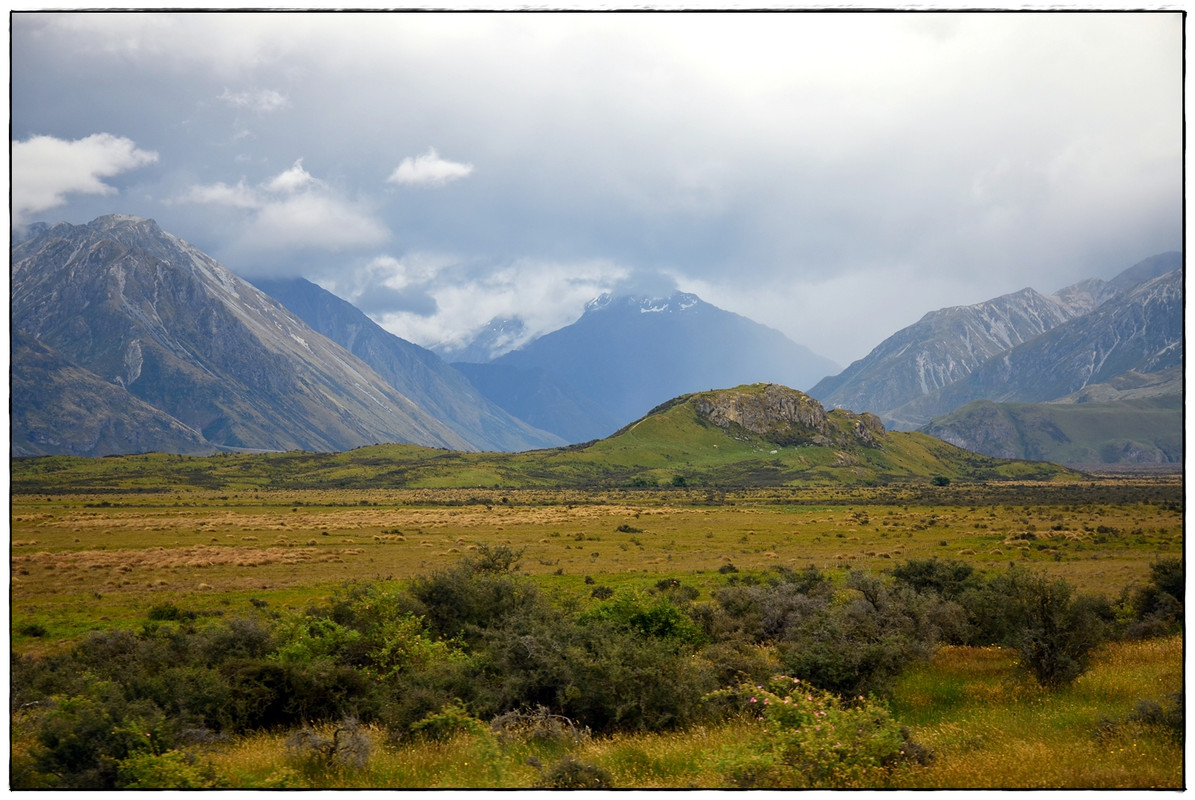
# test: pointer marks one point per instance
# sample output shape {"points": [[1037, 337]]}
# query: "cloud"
{"points": [[428, 170], [459, 297], [239, 196], [293, 210], [293, 180], [45, 169], [263, 101]]}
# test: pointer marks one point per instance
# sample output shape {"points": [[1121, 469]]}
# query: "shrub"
{"points": [[173, 769], [348, 746], [647, 616], [812, 739], [860, 643], [450, 721], [82, 740], [537, 725], [1054, 631], [947, 577]]}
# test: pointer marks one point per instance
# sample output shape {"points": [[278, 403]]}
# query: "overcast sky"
{"points": [[833, 175]]}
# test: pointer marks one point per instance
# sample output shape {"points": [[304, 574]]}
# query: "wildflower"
{"points": [[752, 699]]}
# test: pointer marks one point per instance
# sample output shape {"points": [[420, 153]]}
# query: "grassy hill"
{"points": [[757, 435], [1145, 430]]}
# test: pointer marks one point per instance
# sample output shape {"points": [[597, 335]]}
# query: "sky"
{"points": [[832, 175]]}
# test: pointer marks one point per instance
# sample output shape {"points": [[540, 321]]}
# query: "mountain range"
{"points": [[1112, 342], [127, 339], [746, 436], [124, 325]]}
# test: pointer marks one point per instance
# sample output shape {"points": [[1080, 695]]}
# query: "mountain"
{"points": [[1137, 331], [499, 336], [944, 346], [419, 374], [911, 376], [541, 399], [627, 353], [152, 315], [747, 436]]}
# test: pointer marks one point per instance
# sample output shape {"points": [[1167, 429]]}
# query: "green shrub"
{"points": [[82, 740], [812, 739], [450, 721], [645, 615], [173, 769], [1054, 631]]}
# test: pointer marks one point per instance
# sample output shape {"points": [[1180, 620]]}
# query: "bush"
{"points": [[1054, 631], [82, 740], [812, 739], [348, 746], [173, 769], [947, 577], [450, 721], [860, 644]]}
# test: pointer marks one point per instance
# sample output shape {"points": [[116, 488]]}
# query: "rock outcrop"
{"points": [[787, 417]]}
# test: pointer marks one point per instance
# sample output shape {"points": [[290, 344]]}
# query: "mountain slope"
{"points": [[630, 353], [59, 407], [1140, 431], [941, 348], [145, 311], [1139, 331], [543, 400], [898, 378], [418, 373]]}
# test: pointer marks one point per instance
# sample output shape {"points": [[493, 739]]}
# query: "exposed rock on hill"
{"points": [[787, 417]]}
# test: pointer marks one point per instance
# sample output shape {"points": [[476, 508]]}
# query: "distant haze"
{"points": [[832, 175]]}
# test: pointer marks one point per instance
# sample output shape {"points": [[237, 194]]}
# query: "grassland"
{"points": [[87, 561], [100, 544]]}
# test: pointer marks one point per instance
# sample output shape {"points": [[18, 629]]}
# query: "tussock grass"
{"points": [[991, 727]]}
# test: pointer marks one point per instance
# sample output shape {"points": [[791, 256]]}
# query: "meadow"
{"points": [[151, 560]]}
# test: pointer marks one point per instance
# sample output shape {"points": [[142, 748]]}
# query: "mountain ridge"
{"points": [[417, 372], [144, 310]]}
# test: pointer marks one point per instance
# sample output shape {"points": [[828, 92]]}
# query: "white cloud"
{"points": [[312, 219], [262, 101], [293, 210], [292, 180], [239, 196], [428, 170], [45, 169], [546, 295]]}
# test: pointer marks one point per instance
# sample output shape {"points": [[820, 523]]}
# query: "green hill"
{"points": [[1142, 430], [757, 435]]}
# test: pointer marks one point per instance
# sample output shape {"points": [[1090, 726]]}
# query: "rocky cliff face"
{"points": [[787, 417]]}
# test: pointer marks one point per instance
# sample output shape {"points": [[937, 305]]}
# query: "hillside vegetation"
{"points": [[757, 435], [1144, 430]]}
